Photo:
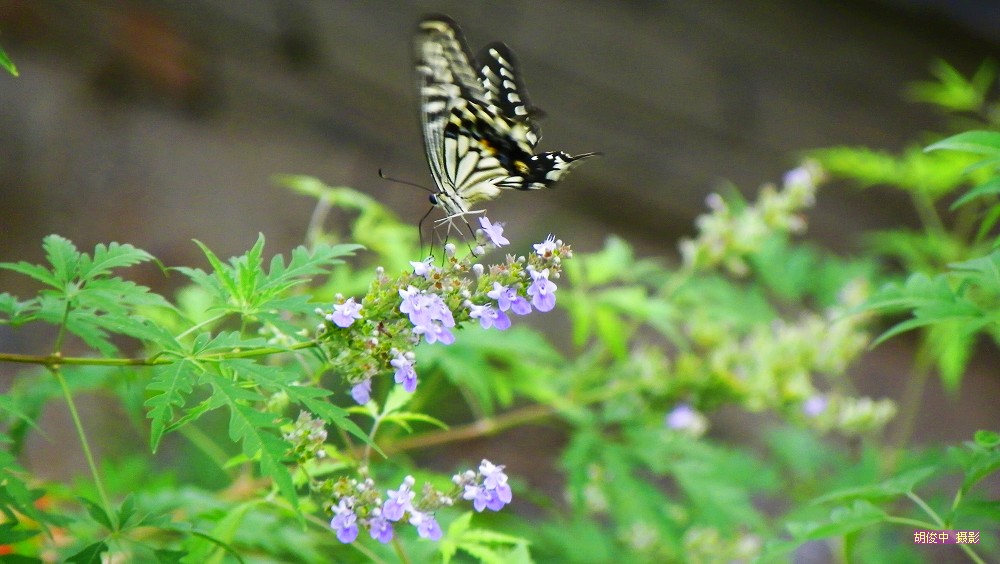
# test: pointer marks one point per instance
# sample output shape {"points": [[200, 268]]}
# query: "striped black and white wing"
{"points": [[478, 125], [451, 99]]}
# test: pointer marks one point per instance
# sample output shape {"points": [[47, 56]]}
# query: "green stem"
{"points": [[200, 325], [927, 509], [909, 405], [85, 444], [55, 359], [400, 552], [206, 445], [928, 215]]}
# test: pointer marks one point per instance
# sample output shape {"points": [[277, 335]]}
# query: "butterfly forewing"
{"points": [[478, 125]]}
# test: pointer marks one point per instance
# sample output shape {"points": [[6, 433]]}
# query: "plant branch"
{"points": [[482, 427]]}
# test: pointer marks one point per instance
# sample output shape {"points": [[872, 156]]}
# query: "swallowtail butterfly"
{"points": [[480, 130]]}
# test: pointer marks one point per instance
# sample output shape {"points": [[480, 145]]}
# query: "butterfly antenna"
{"points": [[384, 176]]}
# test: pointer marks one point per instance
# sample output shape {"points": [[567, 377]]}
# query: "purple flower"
{"points": [[380, 529], [429, 315], [814, 405], [548, 246], [687, 420], [493, 493], [434, 332], [681, 417], [405, 374], [494, 231], [478, 495], [495, 482], [362, 392], [399, 502], [800, 175], [483, 498], [493, 475], [422, 268], [427, 525], [344, 314], [542, 291], [507, 299], [344, 522], [411, 304], [489, 317]]}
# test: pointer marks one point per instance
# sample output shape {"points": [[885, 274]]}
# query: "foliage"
{"points": [[7, 64], [292, 405]]}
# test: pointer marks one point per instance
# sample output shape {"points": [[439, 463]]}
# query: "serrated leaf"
{"points": [[111, 256], [337, 416], [174, 382], [63, 256], [39, 273], [256, 432], [223, 276]]}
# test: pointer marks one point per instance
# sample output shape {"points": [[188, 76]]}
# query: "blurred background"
{"points": [[159, 122]]}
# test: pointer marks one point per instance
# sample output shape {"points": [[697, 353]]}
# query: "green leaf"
{"points": [[10, 533], [978, 461], [842, 521], [953, 91], [97, 513], [39, 273], [126, 511], [978, 142], [106, 258], [309, 397], [164, 556], [174, 382], [91, 554], [256, 432], [987, 439], [931, 174], [989, 188], [63, 256], [243, 287], [223, 534], [6, 63], [888, 489], [403, 418], [462, 362], [484, 545]]}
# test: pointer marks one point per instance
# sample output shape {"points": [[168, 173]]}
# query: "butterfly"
{"points": [[479, 128]]}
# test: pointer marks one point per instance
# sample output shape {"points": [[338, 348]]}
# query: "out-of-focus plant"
{"points": [[296, 408]]}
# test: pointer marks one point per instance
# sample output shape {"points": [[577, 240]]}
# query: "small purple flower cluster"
{"points": [[488, 489], [429, 303], [357, 505], [379, 520]]}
